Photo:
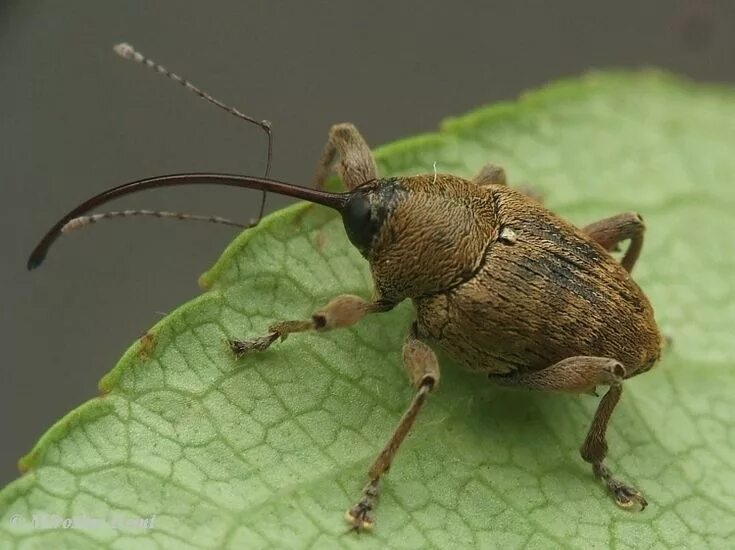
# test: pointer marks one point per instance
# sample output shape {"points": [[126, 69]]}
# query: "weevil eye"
{"points": [[360, 223], [367, 210]]}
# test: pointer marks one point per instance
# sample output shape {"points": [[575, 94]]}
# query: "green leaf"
{"points": [[271, 450]]}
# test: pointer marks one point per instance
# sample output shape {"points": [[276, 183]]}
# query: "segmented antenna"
{"points": [[82, 221], [337, 201], [126, 51]]}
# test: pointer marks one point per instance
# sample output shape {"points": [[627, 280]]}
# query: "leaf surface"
{"points": [[270, 450]]}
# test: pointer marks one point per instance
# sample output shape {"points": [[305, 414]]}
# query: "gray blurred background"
{"points": [[75, 119]]}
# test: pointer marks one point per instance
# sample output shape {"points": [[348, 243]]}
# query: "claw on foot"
{"points": [[242, 347], [627, 497], [360, 516]]}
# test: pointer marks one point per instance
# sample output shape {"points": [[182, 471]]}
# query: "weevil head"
{"points": [[421, 234], [368, 211]]}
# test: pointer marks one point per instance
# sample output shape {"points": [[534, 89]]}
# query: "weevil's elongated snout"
{"points": [[336, 201]]}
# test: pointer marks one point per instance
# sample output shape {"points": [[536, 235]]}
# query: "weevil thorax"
{"points": [[421, 234]]}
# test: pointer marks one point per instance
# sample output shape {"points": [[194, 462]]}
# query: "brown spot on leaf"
{"points": [[146, 345]]}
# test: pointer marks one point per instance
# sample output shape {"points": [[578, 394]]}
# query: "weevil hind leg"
{"points": [[583, 374], [356, 164], [609, 232], [594, 451], [422, 368]]}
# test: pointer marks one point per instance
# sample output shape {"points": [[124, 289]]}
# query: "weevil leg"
{"points": [[356, 163], [582, 375], [594, 451], [422, 368], [343, 311], [490, 174], [611, 231]]}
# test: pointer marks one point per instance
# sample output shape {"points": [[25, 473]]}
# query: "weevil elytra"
{"points": [[504, 286]]}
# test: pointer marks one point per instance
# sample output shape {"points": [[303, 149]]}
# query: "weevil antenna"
{"points": [[84, 221], [336, 201], [126, 51]]}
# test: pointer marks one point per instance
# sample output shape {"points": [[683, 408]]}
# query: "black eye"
{"points": [[360, 224]]}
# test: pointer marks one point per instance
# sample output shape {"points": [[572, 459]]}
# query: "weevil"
{"points": [[505, 287]]}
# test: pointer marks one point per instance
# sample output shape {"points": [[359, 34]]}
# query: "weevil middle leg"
{"points": [[611, 231], [492, 174], [608, 232], [582, 375], [420, 364]]}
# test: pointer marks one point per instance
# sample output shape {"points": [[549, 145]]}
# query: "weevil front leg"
{"points": [[343, 311], [582, 375], [611, 231], [356, 164], [422, 368]]}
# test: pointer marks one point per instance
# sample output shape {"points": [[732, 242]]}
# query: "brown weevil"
{"points": [[504, 286]]}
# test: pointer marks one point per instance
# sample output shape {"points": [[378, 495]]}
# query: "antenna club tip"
{"points": [[125, 50], [71, 225]]}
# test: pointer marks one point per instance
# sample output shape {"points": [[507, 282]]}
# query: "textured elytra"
{"points": [[272, 449]]}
